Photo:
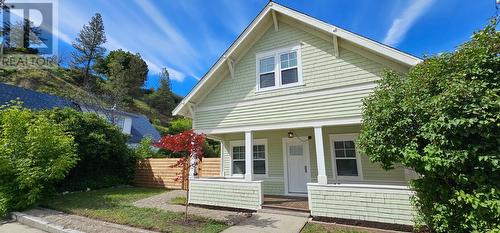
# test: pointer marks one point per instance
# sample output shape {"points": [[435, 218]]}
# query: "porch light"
{"points": [[290, 134]]}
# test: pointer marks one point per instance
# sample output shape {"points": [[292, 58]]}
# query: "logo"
{"points": [[28, 33]]}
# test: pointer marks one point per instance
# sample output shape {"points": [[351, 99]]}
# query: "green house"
{"points": [[285, 103]]}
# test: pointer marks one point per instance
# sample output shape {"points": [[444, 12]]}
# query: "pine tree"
{"points": [[88, 45]]}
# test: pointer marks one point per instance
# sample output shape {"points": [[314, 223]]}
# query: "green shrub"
{"points": [[35, 152], [105, 159], [145, 150], [443, 120]]}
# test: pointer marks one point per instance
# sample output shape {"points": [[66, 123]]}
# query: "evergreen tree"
{"points": [[88, 45], [163, 99]]}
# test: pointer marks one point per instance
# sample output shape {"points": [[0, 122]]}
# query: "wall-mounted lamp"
{"points": [[290, 134]]}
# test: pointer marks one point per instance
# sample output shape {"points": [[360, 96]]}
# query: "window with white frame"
{"points": [[279, 68], [238, 157], [346, 159]]}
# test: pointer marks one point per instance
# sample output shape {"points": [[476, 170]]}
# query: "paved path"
{"points": [[268, 222], [15, 227], [161, 201]]}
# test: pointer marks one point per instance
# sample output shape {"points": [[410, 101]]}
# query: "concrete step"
{"points": [[281, 211]]}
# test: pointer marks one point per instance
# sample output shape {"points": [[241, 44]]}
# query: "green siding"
{"points": [[389, 205], [321, 71], [274, 182], [215, 192]]}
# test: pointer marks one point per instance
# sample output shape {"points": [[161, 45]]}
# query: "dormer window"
{"points": [[279, 68]]}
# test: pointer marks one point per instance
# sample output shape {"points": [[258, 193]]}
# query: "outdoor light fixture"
{"points": [[290, 134]]}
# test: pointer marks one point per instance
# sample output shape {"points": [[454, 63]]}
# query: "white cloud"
{"points": [[405, 20]]}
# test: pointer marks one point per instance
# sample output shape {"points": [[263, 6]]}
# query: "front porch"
{"points": [[286, 203], [317, 169]]}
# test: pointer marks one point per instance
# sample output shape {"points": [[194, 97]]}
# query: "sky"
{"points": [[188, 36]]}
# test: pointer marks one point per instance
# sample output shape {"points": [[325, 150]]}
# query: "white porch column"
{"points": [[320, 155], [222, 149], [248, 156]]}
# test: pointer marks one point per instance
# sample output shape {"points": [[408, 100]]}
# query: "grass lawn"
{"points": [[327, 228], [115, 205]]}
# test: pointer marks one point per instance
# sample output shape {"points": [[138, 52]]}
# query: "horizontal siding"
{"points": [[368, 204], [321, 71]]}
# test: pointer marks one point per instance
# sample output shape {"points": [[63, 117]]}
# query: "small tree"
{"points": [[442, 120], [191, 145]]}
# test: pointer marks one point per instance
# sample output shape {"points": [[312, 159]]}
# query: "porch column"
{"points": [[320, 155], [222, 149], [248, 156]]}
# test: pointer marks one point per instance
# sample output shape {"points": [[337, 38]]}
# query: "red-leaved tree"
{"points": [[190, 144]]}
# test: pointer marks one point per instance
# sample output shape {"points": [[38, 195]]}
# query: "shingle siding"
{"points": [[362, 203]]}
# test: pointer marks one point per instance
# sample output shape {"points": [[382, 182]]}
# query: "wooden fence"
{"points": [[159, 173]]}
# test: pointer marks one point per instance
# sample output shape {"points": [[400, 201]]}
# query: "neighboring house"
{"points": [[137, 126], [285, 102]]}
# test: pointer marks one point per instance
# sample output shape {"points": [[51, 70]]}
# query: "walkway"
{"points": [[270, 223], [161, 201]]}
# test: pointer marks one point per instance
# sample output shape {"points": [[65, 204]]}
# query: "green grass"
{"points": [[178, 201], [325, 228], [115, 205]]}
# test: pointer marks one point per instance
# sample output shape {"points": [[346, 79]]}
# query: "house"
{"points": [[285, 102], [137, 126]]}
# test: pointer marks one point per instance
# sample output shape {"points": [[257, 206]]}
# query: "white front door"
{"points": [[297, 153]]}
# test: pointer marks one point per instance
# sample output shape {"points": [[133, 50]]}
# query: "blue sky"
{"points": [[188, 36]]}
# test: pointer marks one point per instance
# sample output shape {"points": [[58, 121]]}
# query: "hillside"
{"points": [[61, 82]]}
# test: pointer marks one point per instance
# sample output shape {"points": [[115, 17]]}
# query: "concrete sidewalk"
{"points": [[15, 227], [270, 222]]}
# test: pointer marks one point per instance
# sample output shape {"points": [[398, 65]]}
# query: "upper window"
{"points": [[238, 157], [346, 160], [279, 68]]}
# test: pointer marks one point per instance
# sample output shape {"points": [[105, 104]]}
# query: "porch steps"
{"points": [[284, 211]]}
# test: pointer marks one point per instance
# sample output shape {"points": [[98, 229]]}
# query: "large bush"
{"points": [[35, 152], [105, 159], [442, 120]]}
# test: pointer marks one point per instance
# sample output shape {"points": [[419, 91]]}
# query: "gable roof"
{"points": [[141, 127], [268, 14], [33, 99]]}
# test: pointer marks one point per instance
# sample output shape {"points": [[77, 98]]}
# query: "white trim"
{"points": [[289, 125], [284, 143], [276, 54], [234, 143], [382, 49], [347, 90], [363, 41], [222, 148], [345, 137]]}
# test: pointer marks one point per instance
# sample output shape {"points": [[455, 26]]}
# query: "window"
{"points": [[267, 72], [279, 68], [346, 160], [238, 157], [289, 68]]}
